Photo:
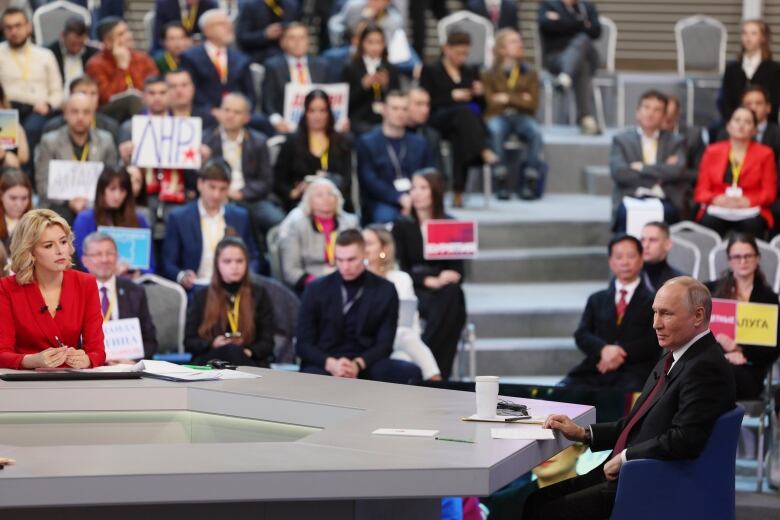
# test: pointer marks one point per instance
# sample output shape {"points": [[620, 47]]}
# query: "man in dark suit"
{"points": [[615, 332], [188, 12], [261, 24], [418, 123], [119, 297], [656, 245], [347, 321], [72, 50], [501, 13], [388, 156], [647, 162], [193, 230], [690, 387], [296, 66]]}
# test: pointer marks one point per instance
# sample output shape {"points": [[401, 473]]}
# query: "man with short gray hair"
{"points": [[690, 387]]}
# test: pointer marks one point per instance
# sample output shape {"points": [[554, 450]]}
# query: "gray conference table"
{"points": [[288, 446]]}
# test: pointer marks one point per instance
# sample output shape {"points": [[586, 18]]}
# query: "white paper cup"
{"points": [[487, 396]]}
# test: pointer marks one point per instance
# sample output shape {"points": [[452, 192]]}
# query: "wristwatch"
{"points": [[588, 439]]}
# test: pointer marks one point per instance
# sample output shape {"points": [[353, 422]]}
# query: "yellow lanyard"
{"points": [[93, 124], [275, 7], [84, 154], [129, 80], [25, 64], [736, 169], [330, 243], [324, 160], [172, 65], [323, 145], [232, 315], [188, 20], [513, 76], [377, 87], [109, 311]]}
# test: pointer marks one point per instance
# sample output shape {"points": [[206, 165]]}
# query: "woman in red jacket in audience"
{"points": [[50, 313], [737, 180]]}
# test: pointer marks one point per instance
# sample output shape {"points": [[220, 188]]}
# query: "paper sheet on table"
{"points": [[235, 374], [641, 211], [497, 418], [522, 434], [405, 432], [165, 368]]}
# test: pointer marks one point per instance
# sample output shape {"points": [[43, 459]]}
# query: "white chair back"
{"points": [[258, 75], [49, 19], [770, 262], [274, 147], [478, 28], [701, 45], [168, 308], [149, 28], [702, 237], [606, 44], [685, 256]]}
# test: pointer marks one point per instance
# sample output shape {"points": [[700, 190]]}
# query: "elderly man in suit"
{"points": [[119, 297], [295, 66], [648, 162], [77, 141], [347, 321], [615, 332], [689, 388]]}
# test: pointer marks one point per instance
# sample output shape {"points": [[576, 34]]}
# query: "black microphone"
{"points": [[44, 309], [59, 307]]}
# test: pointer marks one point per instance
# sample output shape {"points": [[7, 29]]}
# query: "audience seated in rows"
{"points": [[175, 41], [408, 345], [347, 321], [737, 181], [314, 150], [88, 86], [616, 330], [418, 122], [120, 298], [437, 283], [188, 13], [567, 29], [16, 197], [387, 158], [18, 156], [380, 12], [72, 49], [307, 236], [260, 26], [656, 245], [231, 319]]}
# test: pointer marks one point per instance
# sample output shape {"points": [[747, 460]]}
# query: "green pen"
{"points": [[197, 367], [467, 441]]}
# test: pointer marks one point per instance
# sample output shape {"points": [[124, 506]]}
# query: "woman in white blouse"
{"points": [[408, 346]]}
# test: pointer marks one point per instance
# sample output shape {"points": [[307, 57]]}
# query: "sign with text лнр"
{"points": [[167, 142]]}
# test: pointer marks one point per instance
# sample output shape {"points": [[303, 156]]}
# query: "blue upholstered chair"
{"points": [[672, 490]]}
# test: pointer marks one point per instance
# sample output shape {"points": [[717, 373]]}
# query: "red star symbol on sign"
{"points": [[189, 154]]}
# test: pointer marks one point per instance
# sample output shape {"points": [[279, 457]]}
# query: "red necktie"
{"points": [[620, 445], [218, 65], [621, 306]]}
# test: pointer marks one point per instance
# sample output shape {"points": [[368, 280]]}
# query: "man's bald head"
{"points": [[79, 113], [217, 27]]}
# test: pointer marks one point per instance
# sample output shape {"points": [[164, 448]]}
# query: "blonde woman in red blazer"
{"points": [[737, 174]]}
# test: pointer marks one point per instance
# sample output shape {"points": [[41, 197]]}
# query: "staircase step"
{"points": [[526, 357], [565, 151], [539, 264], [598, 180]]}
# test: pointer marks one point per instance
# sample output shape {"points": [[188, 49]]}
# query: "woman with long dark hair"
{"points": [[744, 281], [370, 77], [231, 319], [436, 282], [114, 206], [15, 200], [315, 149]]}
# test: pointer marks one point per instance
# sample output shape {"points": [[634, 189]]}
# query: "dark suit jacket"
{"points": [[675, 179], [255, 163], [253, 18], [598, 327], [439, 84], [375, 168], [360, 99], [183, 243], [507, 15], [698, 390], [56, 48], [169, 11], [409, 252], [655, 275], [734, 83], [131, 303], [263, 345], [210, 89], [321, 322], [556, 34], [102, 122], [277, 75]]}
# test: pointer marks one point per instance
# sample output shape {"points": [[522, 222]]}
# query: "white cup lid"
{"points": [[487, 379]]}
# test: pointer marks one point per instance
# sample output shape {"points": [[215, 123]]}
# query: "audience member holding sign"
{"points": [[14, 150], [51, 313], [120, 299], [436, 282], [233, 318], [737, 181], [744, 281]]}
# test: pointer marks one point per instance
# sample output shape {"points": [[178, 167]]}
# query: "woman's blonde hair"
{"points": [[388, 245], [26, 236], [501, 37], [321, 181]]}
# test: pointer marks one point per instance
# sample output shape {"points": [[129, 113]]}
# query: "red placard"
{"points": [[724, 317], [450, 240]]}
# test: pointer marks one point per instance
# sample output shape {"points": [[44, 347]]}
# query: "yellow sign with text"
{"points": [[757, 324]]}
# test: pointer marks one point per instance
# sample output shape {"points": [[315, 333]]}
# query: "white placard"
{"points": [[167, 142], [294, 95], [123, 339], [73, 179], [641, 211]]}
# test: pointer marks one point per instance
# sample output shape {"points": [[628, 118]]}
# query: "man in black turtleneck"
{"points": [[348, 319], [656, 244]]}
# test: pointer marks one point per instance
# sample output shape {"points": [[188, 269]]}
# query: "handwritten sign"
{"points": [[9, 123], [134, 245], [450, 239], [123, 339], [747, 323], [294, 95], [73, 179], [167, 142]]}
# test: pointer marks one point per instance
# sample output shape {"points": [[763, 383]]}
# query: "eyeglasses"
{"points": [[739, 258]]}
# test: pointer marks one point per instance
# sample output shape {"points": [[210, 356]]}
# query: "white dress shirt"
{"points": [[217, 55], [649, 147], [750, 64], [629, 288], [212, 230], [371, 64], [72, 66], [231, 152], [110, 284]]}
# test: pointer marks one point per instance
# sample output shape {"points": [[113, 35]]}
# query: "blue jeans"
{"points": [[524, 127]]}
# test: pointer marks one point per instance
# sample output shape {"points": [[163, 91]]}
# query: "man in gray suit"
{"points": [[76, 141], [647, 162]]}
